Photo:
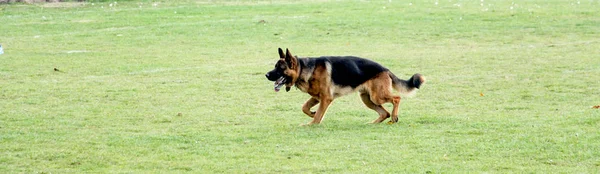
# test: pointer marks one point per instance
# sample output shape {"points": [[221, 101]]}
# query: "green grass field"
{"points": [[179, 86]]}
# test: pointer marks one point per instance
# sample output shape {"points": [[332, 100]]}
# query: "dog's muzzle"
{"points": [[279, 83]]}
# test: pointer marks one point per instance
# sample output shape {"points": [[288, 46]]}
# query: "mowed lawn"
{"points": [[179, 86]]}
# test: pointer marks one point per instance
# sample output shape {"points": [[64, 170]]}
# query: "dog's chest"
{"points": [[311, 87], [303, 86]]}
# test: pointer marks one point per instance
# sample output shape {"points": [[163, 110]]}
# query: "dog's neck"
{"points": [[304, 73]]}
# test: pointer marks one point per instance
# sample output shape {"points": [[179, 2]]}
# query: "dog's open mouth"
{"points": [[279, 83]]}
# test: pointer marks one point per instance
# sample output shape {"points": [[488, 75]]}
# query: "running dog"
{"points": [[328, 77]]}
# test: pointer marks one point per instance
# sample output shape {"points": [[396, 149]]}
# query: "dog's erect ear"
{"points": [[281, 55], [288, 53], [290, 59]]}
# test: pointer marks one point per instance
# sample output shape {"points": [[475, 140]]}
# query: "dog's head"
{"points": [[285, 72]]}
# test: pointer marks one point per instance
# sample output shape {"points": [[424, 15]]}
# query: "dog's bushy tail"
{"points": [[407, 87]]}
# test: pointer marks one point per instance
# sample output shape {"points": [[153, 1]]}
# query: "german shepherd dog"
{"points": [[328, 77]]}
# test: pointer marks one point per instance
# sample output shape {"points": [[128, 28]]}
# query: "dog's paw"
{"points": [[310, 114]]}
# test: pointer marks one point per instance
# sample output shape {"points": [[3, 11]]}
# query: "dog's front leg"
{"points": [[325, 101], [309, 104]]}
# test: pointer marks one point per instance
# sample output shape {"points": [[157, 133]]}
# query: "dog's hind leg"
{"points": [[383, 114], [387, 98], [309, 104], [396, 104], [380, 93]]}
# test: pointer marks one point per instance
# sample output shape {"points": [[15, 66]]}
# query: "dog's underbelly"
{"points": [[334, 90], [339, 90]]}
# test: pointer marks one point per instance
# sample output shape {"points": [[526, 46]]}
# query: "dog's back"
{"points": [[353, 71]]}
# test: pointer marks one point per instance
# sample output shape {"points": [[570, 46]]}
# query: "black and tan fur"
{"points": [[328, 77]]}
